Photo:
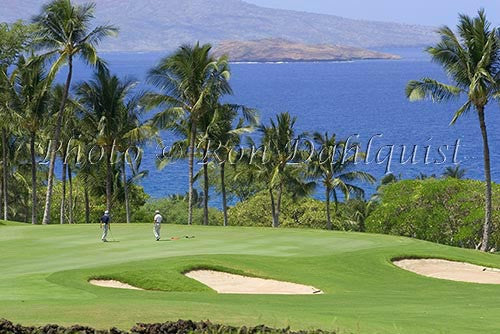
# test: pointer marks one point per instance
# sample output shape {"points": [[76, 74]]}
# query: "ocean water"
{"points": [[361, 99]]}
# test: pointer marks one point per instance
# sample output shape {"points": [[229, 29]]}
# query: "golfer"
{"points": [[157, 224], [105, 221]]}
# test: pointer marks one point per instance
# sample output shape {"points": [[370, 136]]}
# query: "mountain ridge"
{"points": [[161, 25]]}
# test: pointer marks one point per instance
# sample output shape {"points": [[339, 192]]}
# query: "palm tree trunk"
{"points": [[336, 200], [273, 209], [487, 174], [87, 203], [109, 180], [70, 204], [34, 199], [278, 204], [125, 190], [329, 225], [223, 188], [4, 175], [63, 195], [205, 185], [53, 148], [191, 172]]}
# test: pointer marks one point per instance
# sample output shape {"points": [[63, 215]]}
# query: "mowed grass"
{"points": [[44, 273]]}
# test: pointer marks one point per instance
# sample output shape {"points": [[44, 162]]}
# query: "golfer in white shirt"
{"points": [[157, 224]]}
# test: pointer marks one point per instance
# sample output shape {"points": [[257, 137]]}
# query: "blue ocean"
{"points": [[362, 100]]}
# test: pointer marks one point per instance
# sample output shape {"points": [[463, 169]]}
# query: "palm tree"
{"points": [[472, 61], [6, 128], [360, 210], [103, 98], [275, 169], [388, 179], [65, 32], [204, 142], [14, 39], [188, 79], [134, 162], [31, 98], [130, 134], [225, 134], [455, 172], [70, 125], [86, 172], [336, 172], [423, 176]]}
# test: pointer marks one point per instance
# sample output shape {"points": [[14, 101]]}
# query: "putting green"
{"points": [[44, 273]]}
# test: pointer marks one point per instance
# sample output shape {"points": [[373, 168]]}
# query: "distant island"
{"points": [[281, 50]]}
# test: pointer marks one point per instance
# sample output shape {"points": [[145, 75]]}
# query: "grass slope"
{"points": [[44, 272]]}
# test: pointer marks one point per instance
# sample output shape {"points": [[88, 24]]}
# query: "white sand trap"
{"points": [[450, 270], [113, 284], [230, 283]]}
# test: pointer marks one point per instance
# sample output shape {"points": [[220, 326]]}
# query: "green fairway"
{"points": [[44, 272]]}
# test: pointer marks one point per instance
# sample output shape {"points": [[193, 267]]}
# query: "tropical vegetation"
{"points": [[471, 58], [97, 129], [447, 211]]}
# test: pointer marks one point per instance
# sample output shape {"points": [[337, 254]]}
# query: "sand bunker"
{"points": [[230, 283], [450, 270], [113, 284]]}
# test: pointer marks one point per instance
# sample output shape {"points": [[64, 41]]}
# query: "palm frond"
{"points": [[463, 110], [432, 89]]}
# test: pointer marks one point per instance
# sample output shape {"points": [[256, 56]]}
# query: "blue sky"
{"points": [[427, 12]]}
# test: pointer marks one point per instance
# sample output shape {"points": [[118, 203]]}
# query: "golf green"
{"points": [[44, 273]]}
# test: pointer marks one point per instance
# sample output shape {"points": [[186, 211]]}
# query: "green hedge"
{"points": [[447, 211], [256, 211]]}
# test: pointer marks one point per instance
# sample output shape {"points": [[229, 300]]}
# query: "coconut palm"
{"points": [[359, 210], [188, 79], [423, 176], [86, 172], [204, 142], [31, 98], [14, 39], [337, 172], [103, 99], [131, 133], [274, 166], [471, 58], [224, 131], [455, 172], [65, 33], [18, 173], [70, 125]]}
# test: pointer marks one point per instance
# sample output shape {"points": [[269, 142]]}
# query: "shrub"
{"points": [[256, 211], [174, 211], [447, 211], [169, 327]]}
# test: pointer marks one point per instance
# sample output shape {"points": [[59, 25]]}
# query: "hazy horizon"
{"points": [[424, 12]]}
